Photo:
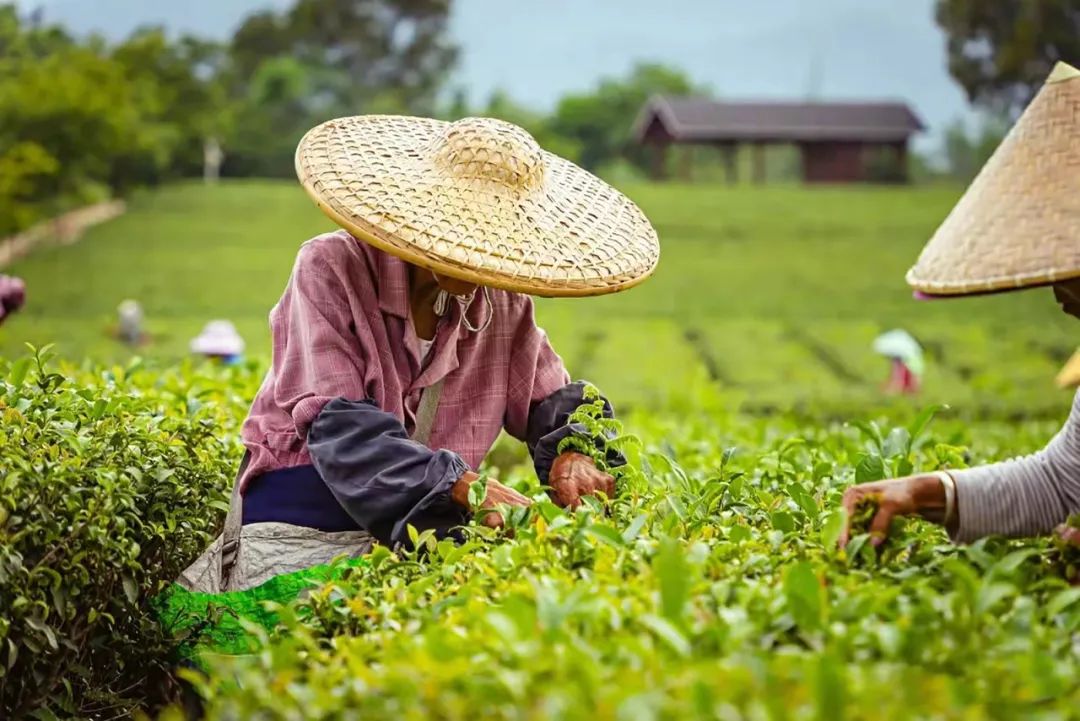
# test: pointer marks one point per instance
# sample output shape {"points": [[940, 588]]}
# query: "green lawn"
{"points": [[771, 294]]}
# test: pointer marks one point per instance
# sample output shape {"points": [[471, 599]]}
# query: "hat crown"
{"points": [[491, 150]]}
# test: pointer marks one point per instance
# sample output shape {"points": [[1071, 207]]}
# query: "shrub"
{"points": [[711, 588], [110, 483]]}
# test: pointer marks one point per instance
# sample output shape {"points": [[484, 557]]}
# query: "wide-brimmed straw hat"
{"points": [[1018, 225], [477, 200]]}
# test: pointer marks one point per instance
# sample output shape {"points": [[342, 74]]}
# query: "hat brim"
{"points": [[1069, 375], [572, 235], [1018, 224]]}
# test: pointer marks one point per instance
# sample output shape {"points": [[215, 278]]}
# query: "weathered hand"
{"points": [[1068, 535], [574, 475], [496, 495], [921, 494]]}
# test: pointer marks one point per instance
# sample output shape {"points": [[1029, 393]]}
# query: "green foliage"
{"points": [[78, 120], [1000, 52], [739, 315], [711, 588], [111, 481], [710, 585], [967, 150], [321, 59], [600, 122]]}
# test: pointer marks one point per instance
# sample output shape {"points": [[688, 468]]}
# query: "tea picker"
{"points": [[219, 341], [404, 344], [130, 315], [1016, 227], [907, 361]]}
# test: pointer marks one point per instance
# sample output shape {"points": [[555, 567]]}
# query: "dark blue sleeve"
{"points": [[381, 477], [549, 424]]}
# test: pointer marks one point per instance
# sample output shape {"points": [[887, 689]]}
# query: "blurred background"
{"points": [[793, 156]]}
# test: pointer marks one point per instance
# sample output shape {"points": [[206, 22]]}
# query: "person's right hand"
{"points": [[1068, 535], [497, 494], [922, 494]]}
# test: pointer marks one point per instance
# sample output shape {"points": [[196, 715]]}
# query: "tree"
{"points": [[366, 48], [1001, 51], [967, 150], [601, 122], [180, 99]]}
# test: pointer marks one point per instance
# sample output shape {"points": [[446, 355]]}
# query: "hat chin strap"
{"points": [[442, 304]]}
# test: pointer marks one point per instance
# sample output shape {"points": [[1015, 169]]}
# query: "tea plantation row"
{"points": [[774, 294], [711, 588]]}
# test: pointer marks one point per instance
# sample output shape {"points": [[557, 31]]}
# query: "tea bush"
{"points": [[712, 588], [111, 480]]}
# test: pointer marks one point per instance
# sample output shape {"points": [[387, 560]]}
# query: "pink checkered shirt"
{"points": [[343, 329]]}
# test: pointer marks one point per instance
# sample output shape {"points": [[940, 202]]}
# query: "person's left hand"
{"points": [[574, 475]]}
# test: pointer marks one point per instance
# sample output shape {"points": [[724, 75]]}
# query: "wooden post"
{"points": [[902, 161], [759, 163], [659, 160], [730, 163], [687, 163]]}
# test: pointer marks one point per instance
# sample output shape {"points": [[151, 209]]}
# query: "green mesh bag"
{"points": [[214, 623]]}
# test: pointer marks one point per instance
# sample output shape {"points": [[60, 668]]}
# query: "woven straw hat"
{"points": [[1018, 225], [1069, 375], [477, 200]]}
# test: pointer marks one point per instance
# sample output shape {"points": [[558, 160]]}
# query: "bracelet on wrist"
{"points": [[949, 486]]}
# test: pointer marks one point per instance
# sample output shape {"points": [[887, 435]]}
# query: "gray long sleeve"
{"points": [[1026, 496]]}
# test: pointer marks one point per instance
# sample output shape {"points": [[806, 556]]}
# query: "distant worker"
{"points": [[219, 341], [1018, 226], [906, 356], [130, 316], [12, 295], [213, 156]]}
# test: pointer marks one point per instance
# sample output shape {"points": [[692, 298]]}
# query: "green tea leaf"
{"points": [[673, 573], [667, 632], [870, 468], [833, 527], [805, 596]]}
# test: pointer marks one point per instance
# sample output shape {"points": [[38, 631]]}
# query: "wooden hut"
{"points": [[837, 142]]}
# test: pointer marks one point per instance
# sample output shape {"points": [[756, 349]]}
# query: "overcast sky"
{"points": [[539, 49]]}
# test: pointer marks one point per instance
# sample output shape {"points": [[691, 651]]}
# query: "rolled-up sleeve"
{"points": [[1025, 496], [384, 480], [318, 356]]}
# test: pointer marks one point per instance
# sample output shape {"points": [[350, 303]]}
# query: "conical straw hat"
{"points": [[1018, 225], [477, 200], [1069, 375]]}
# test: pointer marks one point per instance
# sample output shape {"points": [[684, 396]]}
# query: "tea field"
{"points": [[710, 588], [773, 294]]}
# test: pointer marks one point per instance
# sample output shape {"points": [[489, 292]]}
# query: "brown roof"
{"points": [[688, 119]]}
